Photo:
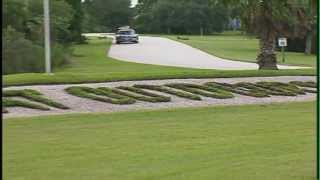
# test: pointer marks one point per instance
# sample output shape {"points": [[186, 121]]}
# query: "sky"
{"points": [[134, 2]]}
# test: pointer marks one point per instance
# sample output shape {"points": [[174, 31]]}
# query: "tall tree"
{"points": [[77, 20], [181, 16], [109, 14]]}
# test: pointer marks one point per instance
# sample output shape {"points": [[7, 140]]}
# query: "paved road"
{"points": [[163, 51]]}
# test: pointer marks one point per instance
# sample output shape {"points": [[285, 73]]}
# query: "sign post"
{"points": [[282, 42], [47, 36]]}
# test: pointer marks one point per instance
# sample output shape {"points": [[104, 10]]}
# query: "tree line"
{"points": [[266, 19]]}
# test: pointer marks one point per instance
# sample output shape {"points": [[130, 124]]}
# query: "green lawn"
{"points": [[239, 142], [90, 64], [240, 47]]}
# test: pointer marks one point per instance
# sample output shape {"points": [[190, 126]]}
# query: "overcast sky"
{"points": [[134, 2]]}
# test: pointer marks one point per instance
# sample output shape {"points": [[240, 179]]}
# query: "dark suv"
{"points": [[126, 35]]}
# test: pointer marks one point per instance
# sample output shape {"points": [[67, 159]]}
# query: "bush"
{"points": [[145, 96], [95, 94], [33, 95], [202, 90], [169, 91], [237, 89], [20, 54], [7, 102], [283, 88], [24, 56]]}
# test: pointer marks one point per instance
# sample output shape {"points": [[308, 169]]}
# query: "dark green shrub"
{"points": [[22, 55], [282, 88], [169, 91], [95, 94], [19, 54], [142, 95], [33, 96], [310, 84], [237, 89], [202, 90], [8, 102]]}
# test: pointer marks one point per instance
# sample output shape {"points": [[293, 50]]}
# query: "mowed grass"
{"points": [[236, 46], [239, 142], [91, 64]]}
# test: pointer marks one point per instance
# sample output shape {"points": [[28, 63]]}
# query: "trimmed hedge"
{"points": [[33, 95], [310, 84], [202, 90], [282, 88], [145, 96], [237, 89], [8, 102], [95, 94], [169, 91]]}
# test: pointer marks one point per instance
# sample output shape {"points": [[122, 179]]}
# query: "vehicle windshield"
{"points": [[126, 32]]}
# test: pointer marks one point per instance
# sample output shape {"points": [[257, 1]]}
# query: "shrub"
{"points": [[283, 88], [169, 91], [202, 90], [33, 96], [310, 84], [20, 55], [7, 102], [237, 89], [95, 94], [145, 96]]}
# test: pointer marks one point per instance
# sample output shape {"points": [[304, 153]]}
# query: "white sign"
{"points": [[282, 42]]}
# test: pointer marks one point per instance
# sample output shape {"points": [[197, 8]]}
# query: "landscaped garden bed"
{"points": [[161, 93]]}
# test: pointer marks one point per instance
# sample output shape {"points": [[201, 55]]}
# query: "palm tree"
{"points": [[268, 19]]}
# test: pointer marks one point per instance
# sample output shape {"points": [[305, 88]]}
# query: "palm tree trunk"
{"points": [[267, 58]]}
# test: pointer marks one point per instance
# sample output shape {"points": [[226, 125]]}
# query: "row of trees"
{"points": [[106, 15], [181, 16], [22, 27]]}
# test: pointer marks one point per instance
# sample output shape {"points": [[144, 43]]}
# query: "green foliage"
{"points": [[146, 96], [23, 34], [106, 15], [305, 84], [8, 102], [206, 91], [181, 17], [77, 21], [96, 94], [237, 89], [33, 95], [60, 19], [169, 91], [20, 55], [284, 88]]}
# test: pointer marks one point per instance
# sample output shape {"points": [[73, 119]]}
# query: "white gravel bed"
{"points": [[83, 105]]}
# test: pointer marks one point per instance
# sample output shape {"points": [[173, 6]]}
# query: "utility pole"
{"points": [[47, 35]]}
